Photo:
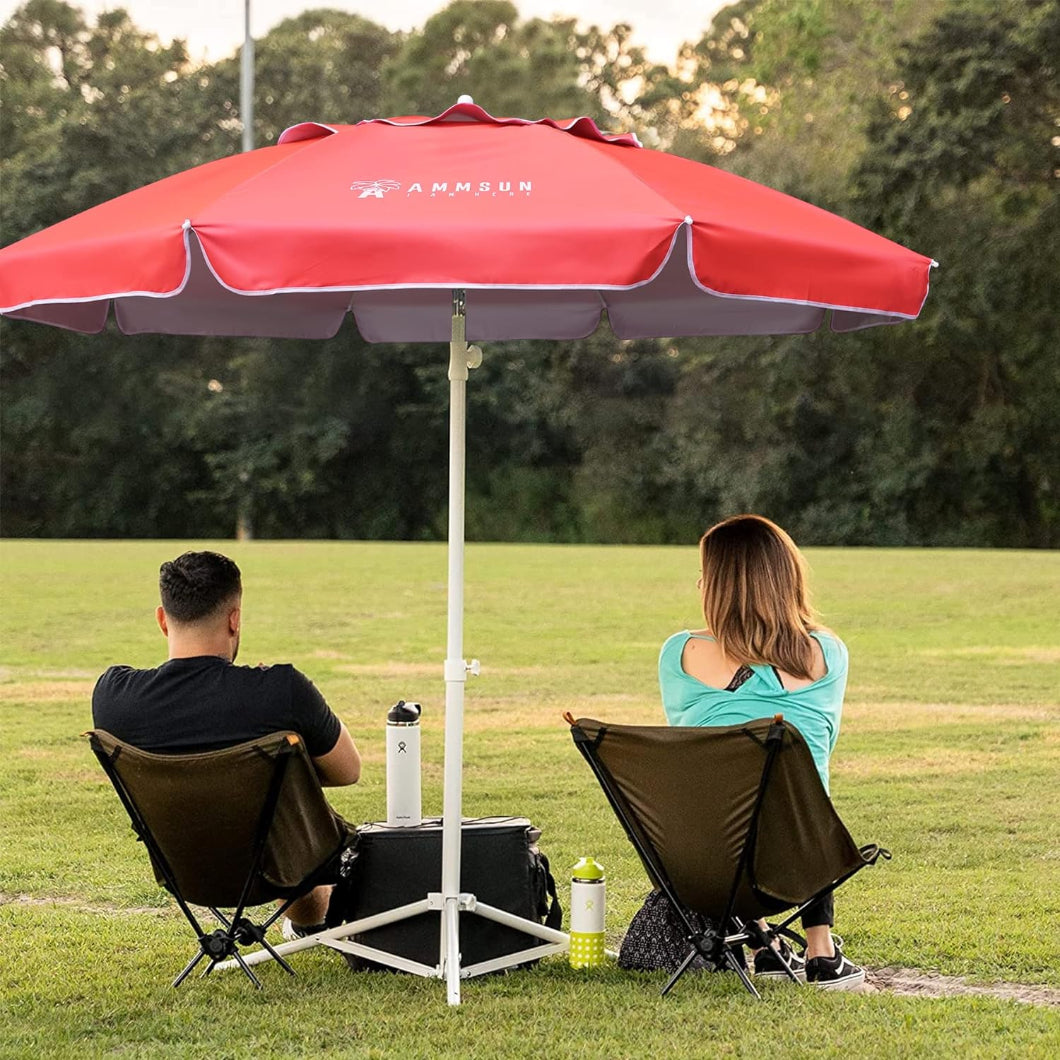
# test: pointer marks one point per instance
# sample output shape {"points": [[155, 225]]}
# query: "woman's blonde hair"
{"points": [[755, 596]]}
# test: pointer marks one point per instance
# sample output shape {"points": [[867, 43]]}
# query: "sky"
{"points": [[214, 28]]}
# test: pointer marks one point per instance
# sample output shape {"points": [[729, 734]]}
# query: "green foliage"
{"points": [[936, 434], [932, 123], [963, 155], [533, 68], [322, 65], [98, 451], [88, 113], [983, 98]]}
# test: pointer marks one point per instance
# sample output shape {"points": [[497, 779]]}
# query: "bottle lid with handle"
{"points": [[402, 713], [587, 869]]}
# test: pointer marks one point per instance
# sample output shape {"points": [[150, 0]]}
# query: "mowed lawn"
{"points": [[949, 756]]}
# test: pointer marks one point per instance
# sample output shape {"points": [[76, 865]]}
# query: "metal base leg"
{"points": [[452, 950]]}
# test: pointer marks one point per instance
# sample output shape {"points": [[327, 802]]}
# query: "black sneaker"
{"points": [[768, 965], [292, 931], [833, 973]]}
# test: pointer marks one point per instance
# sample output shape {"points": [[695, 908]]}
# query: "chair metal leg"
{"points": [[276, 957], [243, 964], [766, 937], [734, 964], [188, 968], [787, 969], [682, 968], [223, 945]]}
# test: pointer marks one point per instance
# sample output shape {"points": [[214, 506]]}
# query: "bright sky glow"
{"points": [[214, 28]]}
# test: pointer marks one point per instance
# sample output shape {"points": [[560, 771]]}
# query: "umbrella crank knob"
{"points": [[474, 667], [474, 356]]}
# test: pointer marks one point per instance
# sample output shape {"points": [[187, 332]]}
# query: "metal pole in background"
{"points": [[246, 82]]}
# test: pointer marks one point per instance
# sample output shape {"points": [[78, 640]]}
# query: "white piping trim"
{"points": [[434, 285], [794, 301], [287, 136], [187, 227], [927, 286]]}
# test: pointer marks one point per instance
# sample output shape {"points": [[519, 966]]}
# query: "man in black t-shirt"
{"points": [[199, 700]]}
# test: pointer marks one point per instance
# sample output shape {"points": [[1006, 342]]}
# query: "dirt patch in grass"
{"points": [[1017, 654], [910, 715], [547, 713], [937, 762], [46, 691], [80, 906], [390, 669], [909, 982]]}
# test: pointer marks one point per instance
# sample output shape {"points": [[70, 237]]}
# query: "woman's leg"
{"points": [[817, 921]]}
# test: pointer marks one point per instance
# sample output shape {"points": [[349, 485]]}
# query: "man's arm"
{"points": [[342, 764]]}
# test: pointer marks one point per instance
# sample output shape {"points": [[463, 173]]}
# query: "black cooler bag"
{"points": [[499, 863]]}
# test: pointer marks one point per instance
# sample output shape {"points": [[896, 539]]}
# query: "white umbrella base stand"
{"points": [[449, 901]]}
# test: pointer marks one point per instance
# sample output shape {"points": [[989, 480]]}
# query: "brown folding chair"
{"points": [[730, 822], [229, 829]]}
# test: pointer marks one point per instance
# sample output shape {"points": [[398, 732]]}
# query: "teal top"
{"points": [[814, 710]]}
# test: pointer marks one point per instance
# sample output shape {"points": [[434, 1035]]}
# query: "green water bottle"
{"points": [[588, 898]]}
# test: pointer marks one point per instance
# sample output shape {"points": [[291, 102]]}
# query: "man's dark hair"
{"points": [[197, 584]]}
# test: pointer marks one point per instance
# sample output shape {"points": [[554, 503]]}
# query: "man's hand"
{"points": [[342, 764]]}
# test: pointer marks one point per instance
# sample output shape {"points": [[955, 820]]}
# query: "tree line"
{"points": [[935, 124]]}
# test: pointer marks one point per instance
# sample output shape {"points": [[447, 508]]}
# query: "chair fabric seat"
{"points": [[229, 829], [692, 791], [202, 810], [730, 822]]}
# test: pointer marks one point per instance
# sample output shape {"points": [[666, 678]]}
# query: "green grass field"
{"points": [[949, 755]]}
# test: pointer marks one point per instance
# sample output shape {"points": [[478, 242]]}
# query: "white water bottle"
{"points": [[403, 805], [587, 907]]}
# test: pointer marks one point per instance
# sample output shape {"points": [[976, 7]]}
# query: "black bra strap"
{"points": [[738, 678]]}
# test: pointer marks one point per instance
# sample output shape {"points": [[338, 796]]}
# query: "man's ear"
{"points": [[234, 618], [160, 618]]}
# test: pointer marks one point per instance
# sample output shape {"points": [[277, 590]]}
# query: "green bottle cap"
{"points": [[587, 869]]}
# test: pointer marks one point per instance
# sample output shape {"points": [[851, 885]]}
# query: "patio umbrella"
{"points": [[454, 228]]}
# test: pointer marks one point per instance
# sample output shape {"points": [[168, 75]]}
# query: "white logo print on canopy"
{"points": [[374, 189], [377, 189]]}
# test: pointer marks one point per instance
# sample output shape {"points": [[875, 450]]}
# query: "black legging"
{"points": [[819, 913]]}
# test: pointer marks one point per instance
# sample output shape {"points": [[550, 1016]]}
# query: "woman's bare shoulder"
{"points": [[704, 660]]}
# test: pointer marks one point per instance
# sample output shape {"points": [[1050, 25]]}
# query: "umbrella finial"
{"points": [[465, 99]]}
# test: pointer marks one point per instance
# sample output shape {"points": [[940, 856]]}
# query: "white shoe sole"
{"points": [[800, 974], [847, 982]]}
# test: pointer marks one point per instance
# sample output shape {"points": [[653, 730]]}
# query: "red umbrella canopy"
{"points": [[544, 224]]}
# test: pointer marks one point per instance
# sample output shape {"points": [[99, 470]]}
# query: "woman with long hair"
{"points": [[763, 652]]}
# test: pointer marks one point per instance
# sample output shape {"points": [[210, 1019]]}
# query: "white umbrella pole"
{"points": [[456, 668]]}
